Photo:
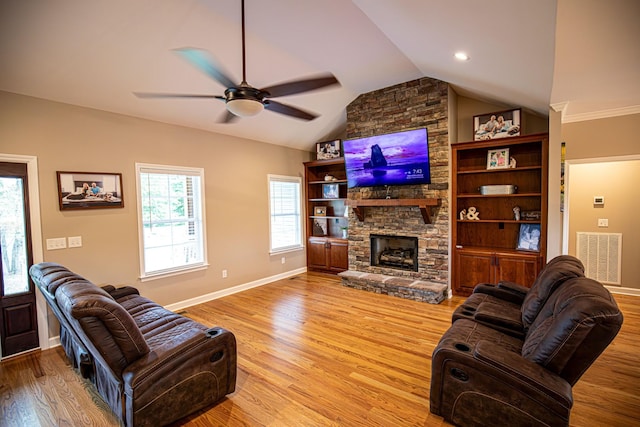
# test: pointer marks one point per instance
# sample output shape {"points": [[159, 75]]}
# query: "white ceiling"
{"points": [[95, 53]]}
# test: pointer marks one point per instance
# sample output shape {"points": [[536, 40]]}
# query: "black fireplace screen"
{"points": [[400, 252]]}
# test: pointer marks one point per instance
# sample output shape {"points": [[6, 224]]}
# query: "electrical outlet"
{"points": [[603, 222], [58, 243], [283, 260], [75, 242], [224, 274]]}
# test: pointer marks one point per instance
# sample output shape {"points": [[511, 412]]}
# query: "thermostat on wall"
{"points": [[598, 200]]}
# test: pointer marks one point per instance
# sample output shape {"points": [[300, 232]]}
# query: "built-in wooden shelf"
{"points": [[423, 204]]}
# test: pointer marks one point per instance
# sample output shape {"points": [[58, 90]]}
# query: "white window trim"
{"points": [[291, 248], [147, 167]]}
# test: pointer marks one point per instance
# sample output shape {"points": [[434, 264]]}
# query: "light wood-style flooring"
{"points": [[314, 353]]}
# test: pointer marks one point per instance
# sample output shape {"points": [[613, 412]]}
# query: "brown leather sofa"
{"points": [[482, 376], [150, 365]]}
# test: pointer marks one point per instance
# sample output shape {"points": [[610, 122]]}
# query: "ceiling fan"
{"points": [[244, 100]]}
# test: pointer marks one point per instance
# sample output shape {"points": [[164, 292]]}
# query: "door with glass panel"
{"points": [[19, 327]]}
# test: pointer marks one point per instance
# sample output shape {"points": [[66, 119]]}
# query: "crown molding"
{"points": [[593, 115]]}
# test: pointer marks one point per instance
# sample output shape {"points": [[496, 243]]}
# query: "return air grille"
{"points": [[601, 254]]}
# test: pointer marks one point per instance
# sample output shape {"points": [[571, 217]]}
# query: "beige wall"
{"points": [[591, 145], [617, 182], [469, 107], [69, 138], [592, 139]]}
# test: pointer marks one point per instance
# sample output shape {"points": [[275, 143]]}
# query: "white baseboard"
{"points": [[233, 290], [624, 291]]}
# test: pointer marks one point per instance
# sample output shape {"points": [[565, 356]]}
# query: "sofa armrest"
{"points": [[192, 370], [529, 372], [513, 287], [503, 315], [504, 293], [118, 293]]}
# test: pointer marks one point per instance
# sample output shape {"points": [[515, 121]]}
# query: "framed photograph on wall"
{"points": [[330, 191], [501, 124], [498, 159], [329, 150], [89, 190], [529, 237]]}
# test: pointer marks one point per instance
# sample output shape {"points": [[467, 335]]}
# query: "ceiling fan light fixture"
{"points": [[244, 107]]}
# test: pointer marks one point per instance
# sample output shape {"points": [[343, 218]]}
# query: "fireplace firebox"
{"points": [[399, 252]]}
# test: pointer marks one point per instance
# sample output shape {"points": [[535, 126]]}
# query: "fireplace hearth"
{"points": [[397, 252]]}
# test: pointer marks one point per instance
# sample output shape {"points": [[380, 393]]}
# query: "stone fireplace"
{"points": [[399, 252], [410, 105]]}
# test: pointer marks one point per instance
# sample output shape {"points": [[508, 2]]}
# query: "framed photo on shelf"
{"points": [[498, 159], [328, 150], [320, 227], [529, 237], [320, 211], [330, 191], [89, 190], [501, 124]]}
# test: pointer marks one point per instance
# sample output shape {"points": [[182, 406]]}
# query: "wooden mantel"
{"points": [[423, 204]]}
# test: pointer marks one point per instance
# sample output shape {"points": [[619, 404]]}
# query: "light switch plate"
{"points": [[57, 243], [75, 242], [603, 222]]}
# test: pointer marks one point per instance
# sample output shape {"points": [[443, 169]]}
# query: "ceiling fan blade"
{"points": [[288, 110], [202, 60], [298, 86], [175, 95]]}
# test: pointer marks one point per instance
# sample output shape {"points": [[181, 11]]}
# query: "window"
{"points": [[285, 224], [170, 219]]}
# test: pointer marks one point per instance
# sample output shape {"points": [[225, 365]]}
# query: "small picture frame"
{"points": [[529, 237], [501, 124], [329, 149], [320, 227], [320, 211], [330, 191], [498, 159], [89, 190]]}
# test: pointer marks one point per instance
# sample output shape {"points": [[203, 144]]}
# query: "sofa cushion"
{"points": [[580, 311], [111, 329], [157, 324], [555, 273]]}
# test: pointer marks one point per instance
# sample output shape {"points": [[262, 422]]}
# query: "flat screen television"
{"points": [[400, 158]]}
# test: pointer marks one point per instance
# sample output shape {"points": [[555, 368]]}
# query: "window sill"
{"points": [[286, 250], [175, 272]]}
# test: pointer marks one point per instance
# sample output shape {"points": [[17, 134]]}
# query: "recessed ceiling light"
{"points": [[462, 56]]}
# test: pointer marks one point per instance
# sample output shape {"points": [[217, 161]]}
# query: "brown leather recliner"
{"points": [[481, 376], [510, 307], [150, 365]]}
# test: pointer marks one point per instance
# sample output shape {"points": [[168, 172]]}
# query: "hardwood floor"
{"points": [[314, 353]]}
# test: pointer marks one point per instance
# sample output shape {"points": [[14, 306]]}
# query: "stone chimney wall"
{"points": [[415, 104]]}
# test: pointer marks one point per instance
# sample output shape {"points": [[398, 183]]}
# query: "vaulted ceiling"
{"points": [[580, 56]]}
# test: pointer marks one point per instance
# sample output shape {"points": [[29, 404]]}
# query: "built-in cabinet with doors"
{"points": [[327, 223], [499, 211]]}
